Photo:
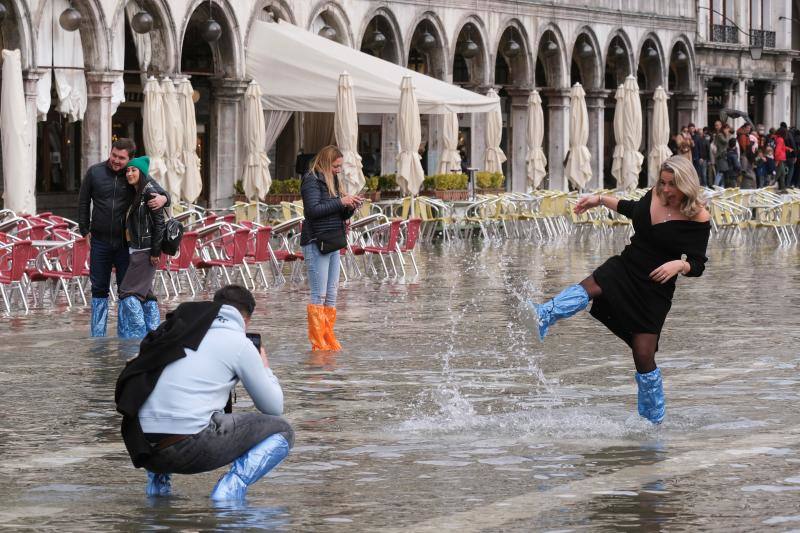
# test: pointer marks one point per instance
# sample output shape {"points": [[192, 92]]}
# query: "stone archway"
{"points": [[380, 37], [217, 75], [470, 61], [330, 21], [649, 75], [427, 54], [618, 66], [164, 57], [680, 84], [552, 82], [513, 72]]}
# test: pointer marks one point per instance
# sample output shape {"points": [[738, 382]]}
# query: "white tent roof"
{"points": [[299, 71]]}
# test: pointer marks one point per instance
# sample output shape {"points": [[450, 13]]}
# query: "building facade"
{"points": [[686, 46]]}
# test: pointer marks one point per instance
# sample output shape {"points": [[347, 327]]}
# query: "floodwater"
{"points": [[444, 411]]}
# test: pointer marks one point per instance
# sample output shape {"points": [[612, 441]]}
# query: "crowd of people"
{"points": [[749, 157]]}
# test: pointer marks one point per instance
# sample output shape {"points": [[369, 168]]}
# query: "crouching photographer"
{"points": [[173, 398]]}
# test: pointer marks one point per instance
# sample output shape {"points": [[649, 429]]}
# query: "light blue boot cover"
{"points": [[566, 303], [251, 467], [651, 396], [152, 317], [99, 317], [158, 484], [130, 319]]}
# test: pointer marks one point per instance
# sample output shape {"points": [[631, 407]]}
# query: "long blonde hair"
{"points": [[323, 164], [686, 181]]}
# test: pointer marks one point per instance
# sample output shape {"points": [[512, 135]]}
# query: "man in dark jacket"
{"points": [[103, 201], [700, 153]]}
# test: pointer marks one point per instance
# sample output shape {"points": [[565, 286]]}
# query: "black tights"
{"points": [[644, 344]]}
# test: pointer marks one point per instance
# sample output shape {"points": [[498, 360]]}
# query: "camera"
{"points": [[255, 338]]}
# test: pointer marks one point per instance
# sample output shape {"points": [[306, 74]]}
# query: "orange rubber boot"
{"points": [[317, 324], [330, 337]]}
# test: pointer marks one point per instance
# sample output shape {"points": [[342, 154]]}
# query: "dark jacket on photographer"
{"points": [[323, 213], [103, 202], [144, 227]]}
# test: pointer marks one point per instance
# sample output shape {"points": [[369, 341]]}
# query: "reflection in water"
{"points": [[442, 402]]}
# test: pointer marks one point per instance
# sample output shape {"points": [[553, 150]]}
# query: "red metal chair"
{"points": [[183, 263], [233, 256], [261, 251], [12, 271], [391, 231], [412, 229], [68, 267]]}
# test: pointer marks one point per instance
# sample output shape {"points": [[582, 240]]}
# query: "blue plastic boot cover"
{"points": [[251, 467], [152, 318], [130, 319], [566, 303], [651, 396], [99, 317], [158, 484]]}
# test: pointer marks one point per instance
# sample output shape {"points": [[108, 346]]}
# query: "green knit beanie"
{"points": [[142, 163]]}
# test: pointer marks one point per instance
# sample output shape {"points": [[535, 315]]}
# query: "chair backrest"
{"points": [[394, 234], [80, 253], [240, 238], [20, 252], [412, 234], [188, 249], [263, 236]]}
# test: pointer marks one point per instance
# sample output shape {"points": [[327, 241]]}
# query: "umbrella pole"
{"points": [[412, 207]]}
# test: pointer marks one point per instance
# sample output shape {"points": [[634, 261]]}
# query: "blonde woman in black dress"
{"points": [[632, 292]]}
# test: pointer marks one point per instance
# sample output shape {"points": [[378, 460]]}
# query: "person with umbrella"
{"points": [[632, 292]]}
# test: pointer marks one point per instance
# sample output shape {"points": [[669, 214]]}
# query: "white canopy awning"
{"points": [[299, 71]]}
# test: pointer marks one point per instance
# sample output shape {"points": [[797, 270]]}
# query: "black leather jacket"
{"points": [[323, 213], [144, 227], [109, 196]]}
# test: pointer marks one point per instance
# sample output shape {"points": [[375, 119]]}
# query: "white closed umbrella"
{"points": [[619, 150], [536, 162], [173, 132], [493, 160], [450, 159], [631, 135], [153, 130], [659, 136], [192, 184], [255, 173], [579, 167], [345, 128], [18, 181], [409, 167]]}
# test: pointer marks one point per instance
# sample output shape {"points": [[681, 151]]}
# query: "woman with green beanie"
{"points": [[144, 229]]}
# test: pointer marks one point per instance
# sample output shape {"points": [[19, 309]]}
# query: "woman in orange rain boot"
{"points": [[323, 235]]}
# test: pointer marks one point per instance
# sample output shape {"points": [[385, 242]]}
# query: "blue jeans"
{"points": [[323, 275], [102, 257], [700, 167]]}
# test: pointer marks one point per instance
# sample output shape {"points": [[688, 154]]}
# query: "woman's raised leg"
{"points": [[565, 304]]}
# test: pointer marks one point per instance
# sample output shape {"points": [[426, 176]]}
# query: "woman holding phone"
{"points": [[323, 235], [144, 229]]}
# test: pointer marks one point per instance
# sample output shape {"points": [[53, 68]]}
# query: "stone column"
{"points": [[701, 115], [558, 110], [782, 105], [435, 131], [768, 108], [96, 127], [647, 130], [517, 154], [729, 95], [388, 144], [477, 130], [30, 79], [596, 106], [686, 106], [225, 140]]}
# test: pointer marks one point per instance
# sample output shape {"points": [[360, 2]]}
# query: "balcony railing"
{"points": [[762, 38], [725, 34]]}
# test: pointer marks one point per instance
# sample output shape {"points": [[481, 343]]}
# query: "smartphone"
{"points": [[255, 338]]}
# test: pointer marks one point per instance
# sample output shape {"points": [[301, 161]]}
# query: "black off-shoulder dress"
{"points": [[631, 302]]}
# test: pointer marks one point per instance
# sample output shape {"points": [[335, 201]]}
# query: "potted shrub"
{"points": [[286, 190], [238, 192], [490, 182], [373, 193], [449, 187], [387, 185]]}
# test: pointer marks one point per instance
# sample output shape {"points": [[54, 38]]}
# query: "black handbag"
{"points": [[331, 241], [171, 240]]}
